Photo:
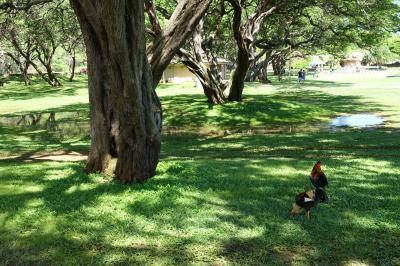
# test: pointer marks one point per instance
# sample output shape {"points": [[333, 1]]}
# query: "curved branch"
{"points": [[186, 16]]}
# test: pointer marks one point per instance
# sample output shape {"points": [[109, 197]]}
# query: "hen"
{"points": [[307, 200]]}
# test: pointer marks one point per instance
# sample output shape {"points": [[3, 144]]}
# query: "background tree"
{"points": [[379, 55], [47, 38], [70, 35], [394, 44], [202, 49], [245, 33], [328, 28], [290, 29], [19, 46], [33, 38]]}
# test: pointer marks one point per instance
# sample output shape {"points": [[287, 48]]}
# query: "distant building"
{"points": [[353, 60], [177, 72]]}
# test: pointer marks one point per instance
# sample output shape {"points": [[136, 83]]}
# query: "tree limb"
{"points": [[186, 16]]}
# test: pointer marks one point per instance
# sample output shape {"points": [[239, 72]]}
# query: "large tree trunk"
{"points": [[125, 111]]}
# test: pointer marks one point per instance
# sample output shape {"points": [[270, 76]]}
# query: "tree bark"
{"points": [[255, 67], [239, 74], [213, 85], [213, 89], [72, 69], [23, 68], [263, 76], [245, 36], [179, 27], [25, 75], [259, 70], [125, 111], [278, 65], [52, 77]]}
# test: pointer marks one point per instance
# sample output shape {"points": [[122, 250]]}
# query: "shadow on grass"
{"points": [[231, 210], [344, 144], [289, 107], [193, 113], [63, 114], [294, 84], [24, 142], [65, 128]]}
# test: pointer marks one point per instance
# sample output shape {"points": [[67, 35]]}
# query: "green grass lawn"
{"points": [[224, 187]]}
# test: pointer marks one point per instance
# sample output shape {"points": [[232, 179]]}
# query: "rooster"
{"points": [[319, 180], [308, 199], [317, 177]]}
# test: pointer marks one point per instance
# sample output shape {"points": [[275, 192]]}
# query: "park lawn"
{"points": [[218, 198], [264, 106], [40, 96]]}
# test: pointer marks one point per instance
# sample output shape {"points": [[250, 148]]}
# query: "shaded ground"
{"points": [[228, 206], [56, 156]]}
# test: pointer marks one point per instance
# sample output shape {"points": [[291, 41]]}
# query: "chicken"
{"points": [[307, 200], [319, 180], [317, 177]]}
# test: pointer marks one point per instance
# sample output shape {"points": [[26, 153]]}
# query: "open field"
{"points": [[225, 184]]}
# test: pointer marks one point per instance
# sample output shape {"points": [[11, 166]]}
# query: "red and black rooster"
{"points": [[307, 200], [317, 177]]}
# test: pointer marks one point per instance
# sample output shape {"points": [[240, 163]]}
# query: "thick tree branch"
{"points": [[150, 9], [186, 16], [245, 36]]}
